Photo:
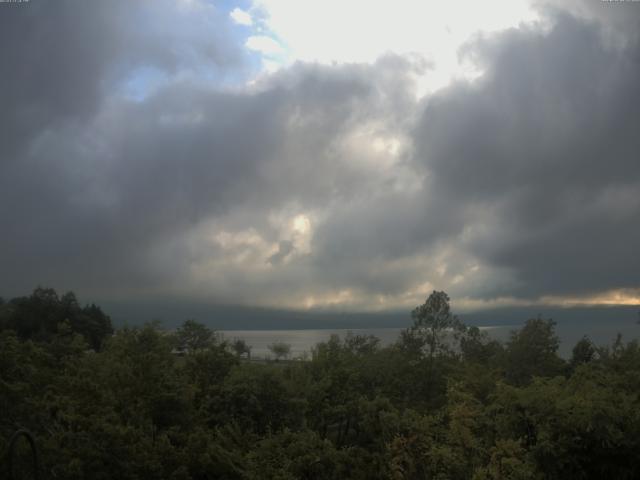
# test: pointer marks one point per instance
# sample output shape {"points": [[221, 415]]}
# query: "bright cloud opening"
{"points": [[361, 31]]}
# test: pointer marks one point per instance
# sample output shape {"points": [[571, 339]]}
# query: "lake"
{"points": [[302, 341]]}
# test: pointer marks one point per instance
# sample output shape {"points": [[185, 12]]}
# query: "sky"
{"points": [[321, 155]]}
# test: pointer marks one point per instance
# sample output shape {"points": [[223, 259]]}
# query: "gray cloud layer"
{"points": [[547, 143], [319, 185]]}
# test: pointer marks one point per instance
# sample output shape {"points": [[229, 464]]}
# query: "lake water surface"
{"points": [[302, 341]]}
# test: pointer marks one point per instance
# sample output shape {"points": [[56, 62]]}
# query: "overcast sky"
{"points": [[327, 154]]}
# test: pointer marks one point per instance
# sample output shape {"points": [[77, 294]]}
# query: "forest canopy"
{"points": [[443, 402]]}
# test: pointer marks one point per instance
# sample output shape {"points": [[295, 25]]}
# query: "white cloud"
{"points": [[265, 45], [241, 17]]}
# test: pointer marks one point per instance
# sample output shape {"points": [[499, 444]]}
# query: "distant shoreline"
{"points": [[304, 339]]}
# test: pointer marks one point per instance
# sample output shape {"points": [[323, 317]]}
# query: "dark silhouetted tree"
{"points": [[240, 347], [434, 324], [193, 336], [533, 351], [280, 349]]}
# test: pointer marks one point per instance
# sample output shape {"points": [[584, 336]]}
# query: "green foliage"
{"points": [[296, 455], [257, 398], [37, 317], [583, 352], [193, 336], [477, 348], [533, 351], [433, 322], [154, 405], [508, 461]]}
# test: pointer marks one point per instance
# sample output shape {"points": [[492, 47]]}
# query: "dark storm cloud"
{"points": [[547, 142], [620, 20], [107, 196], [61, 63], [531, 172], [60, 58]]}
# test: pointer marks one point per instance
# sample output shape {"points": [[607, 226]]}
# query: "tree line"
{"points": [[443, 402]]}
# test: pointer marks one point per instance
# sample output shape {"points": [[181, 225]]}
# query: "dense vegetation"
{"points": [[443, 402]]}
